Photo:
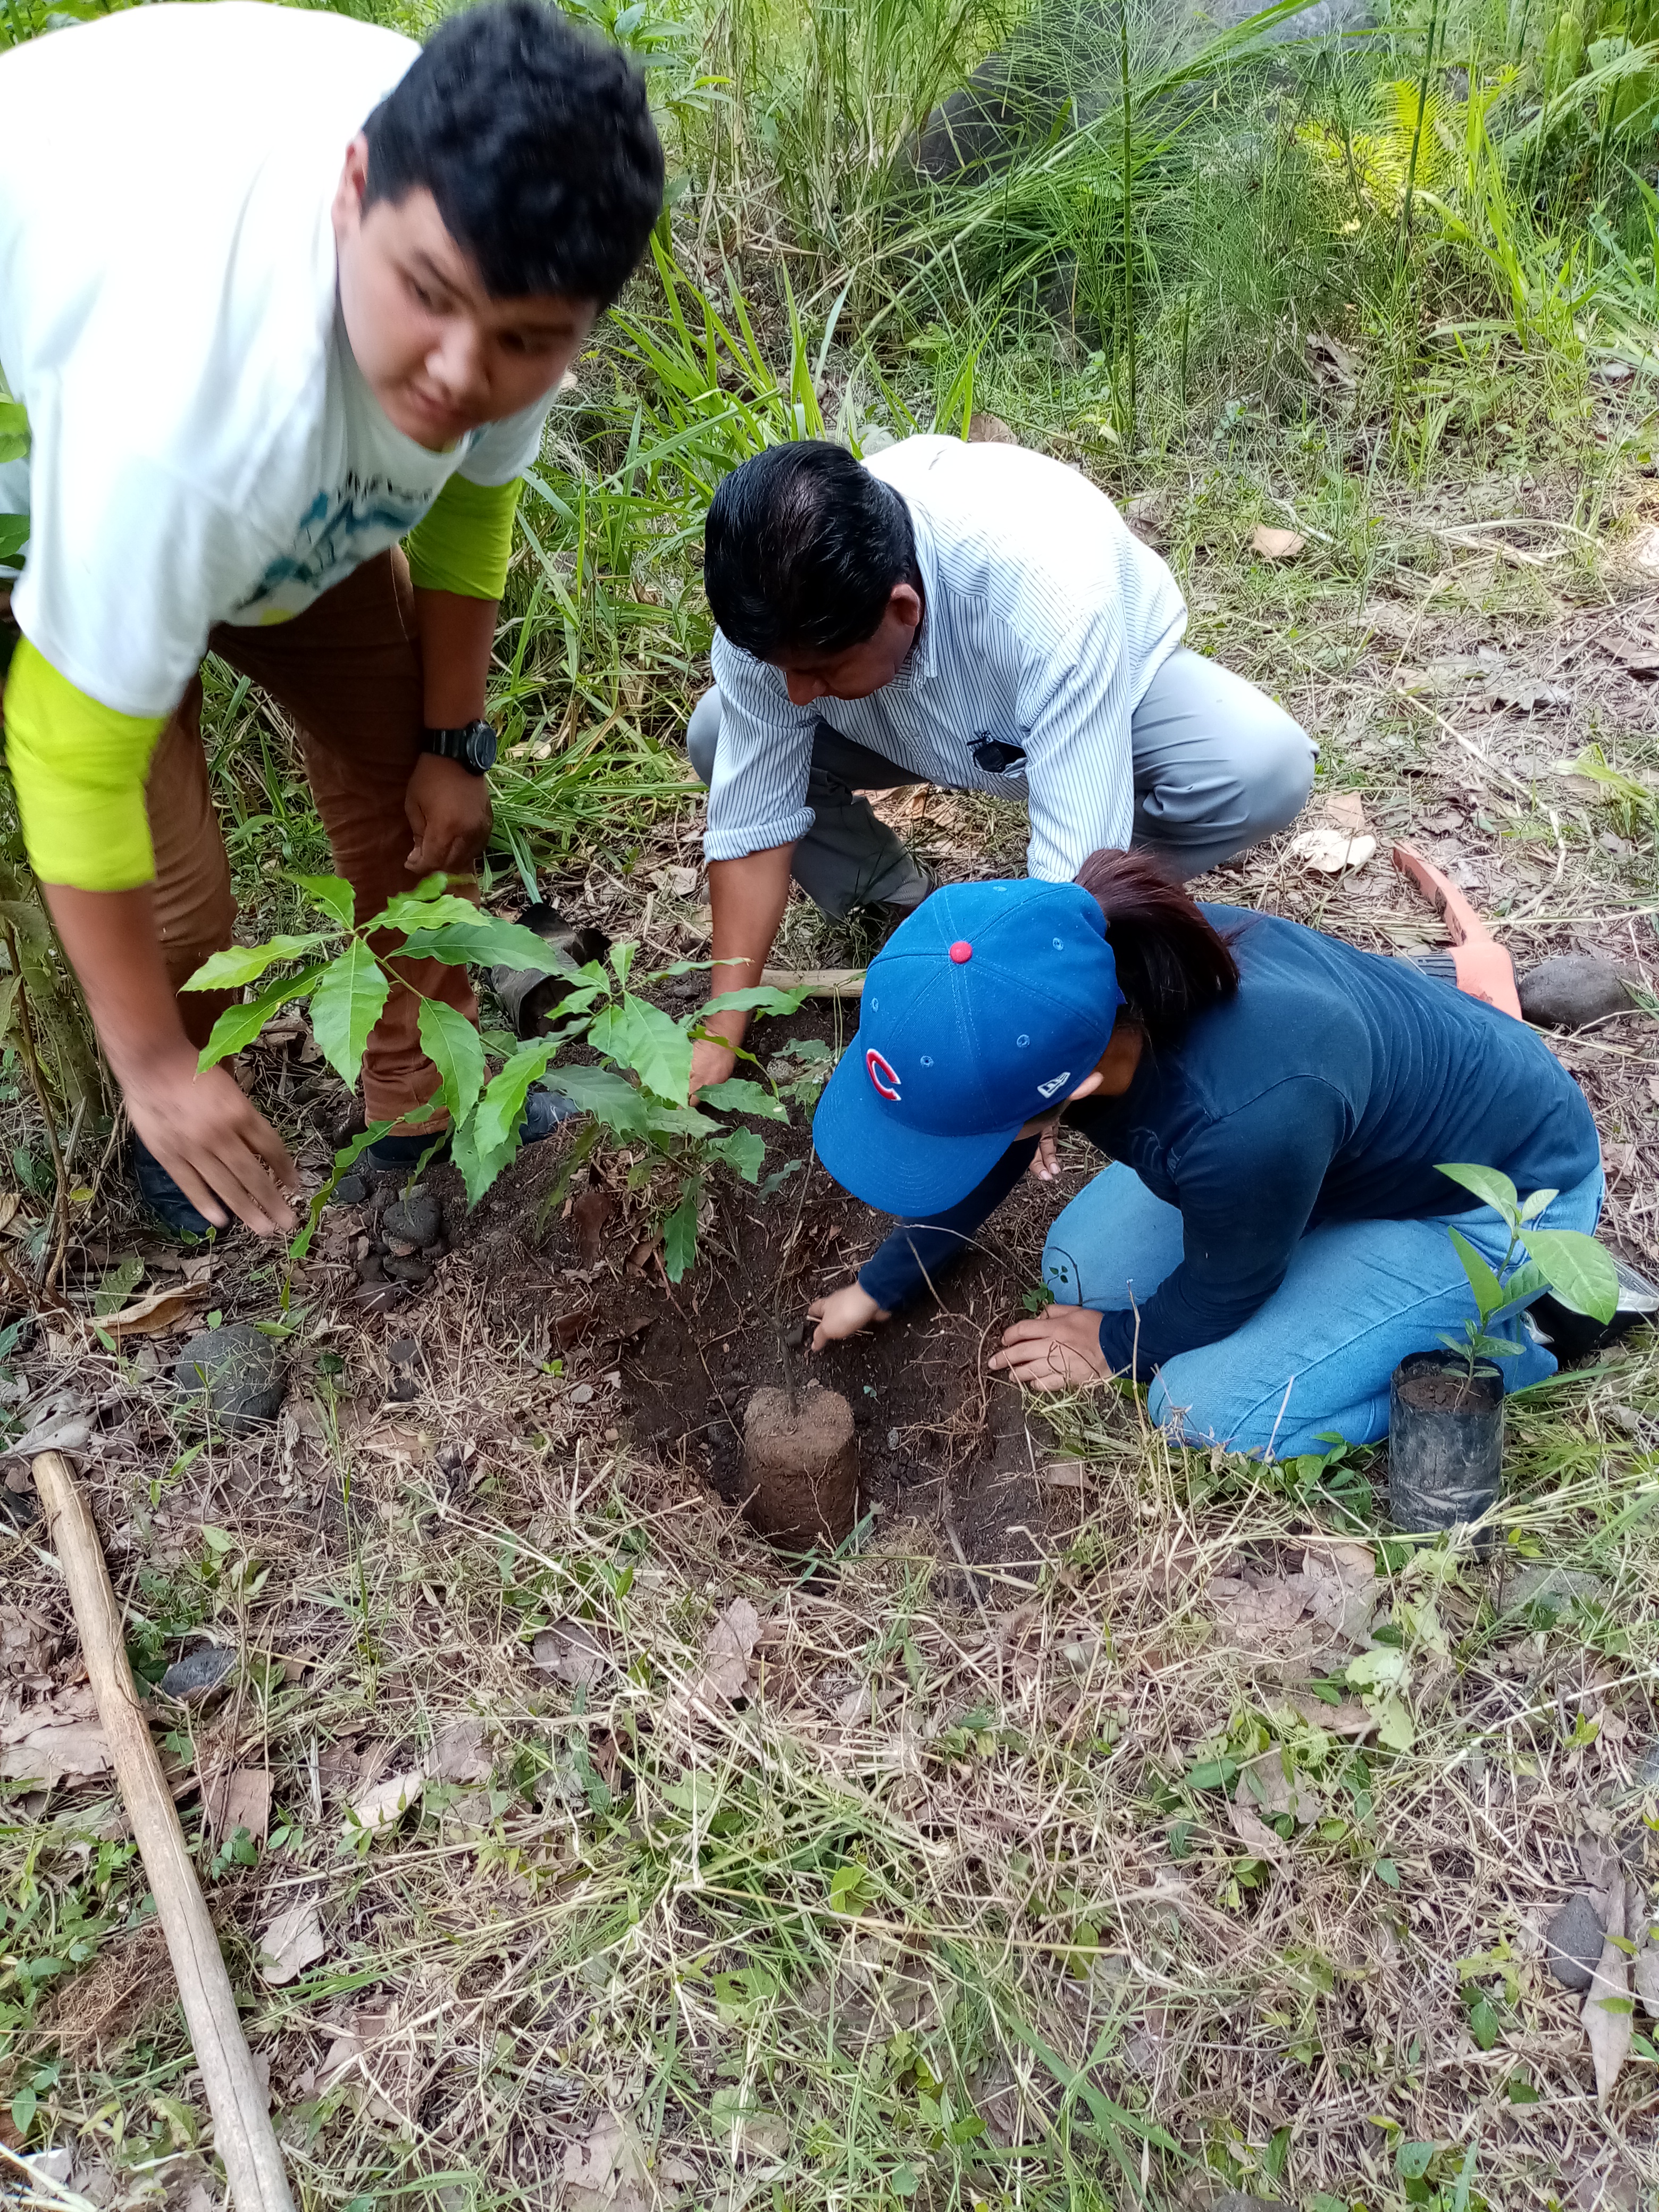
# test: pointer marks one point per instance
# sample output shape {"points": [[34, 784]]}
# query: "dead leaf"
{"points": [[1276, 544], [239, 1799], [1265, 1786], [155, 1313], [387, 1802], [572, 1651], [1335, 366], [1346, 811], [726, 1655], [590, 1213], [1349, 1718], [989, 430], [1607, 2012], [1646, 1975], [54, 1751], [460, 1753], [293, 1941], [1328, 852], [605, 2170], [9, 1202], [1257, 1837], [1645, 549]]}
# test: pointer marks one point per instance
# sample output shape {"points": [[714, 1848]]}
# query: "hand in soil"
{"points": [[1058, 1349], [1046, 1165], [842, 1315], [712, 1061], [218, 1149]]}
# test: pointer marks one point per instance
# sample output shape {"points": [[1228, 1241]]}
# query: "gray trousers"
{"points": [[1218, 767]]}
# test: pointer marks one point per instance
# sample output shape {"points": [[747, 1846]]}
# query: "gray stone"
{"points": [[410, 1270], [1571, 989], [239, 1372], [1555, 1587], [351, 1190], [198, 1673], [413, 1219], [405, 1351], [1572, 1943]]}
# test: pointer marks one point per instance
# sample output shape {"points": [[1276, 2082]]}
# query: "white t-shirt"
{"points": [[204, 448]]}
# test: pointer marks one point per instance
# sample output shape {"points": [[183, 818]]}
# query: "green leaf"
{"points": [[1581, 1274], [14, 431], [762, 999], [407, 911], [1413, 2160], [1491, 1188], [679, 1233], [608, 1097], [333, 893], [242, 963], [486, 941], [8, 1004], [238, 1026], [454, 1045], [737, 1095], [501, 1111], [1212, 1774], [14, 535], [479, 1164], [743, 1151], [24, 2105], [1387, 1872], [345, 1007], [1394, 1725], [1483, 2023], [1524, 1283], [641, 1037], [1536, 1204], [1520, 2091], [1488, 1292]]}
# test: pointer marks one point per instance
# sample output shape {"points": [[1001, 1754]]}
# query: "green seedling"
{"points": [[1564, 1260]]}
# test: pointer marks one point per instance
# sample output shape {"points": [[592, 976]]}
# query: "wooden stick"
{"points": [[242, 2132], [818, 982]]}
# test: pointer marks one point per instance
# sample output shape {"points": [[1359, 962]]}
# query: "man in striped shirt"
{"points": [[974, 616]]}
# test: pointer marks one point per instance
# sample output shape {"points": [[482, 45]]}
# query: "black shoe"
{"points": [[545, 1110], [163, 1196], [1573, 1335]]}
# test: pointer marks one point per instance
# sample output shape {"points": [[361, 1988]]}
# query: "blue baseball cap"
{"points": [[985, 1009]]}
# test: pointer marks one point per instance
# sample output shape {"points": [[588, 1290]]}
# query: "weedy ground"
{"points": [[568, 1846]]}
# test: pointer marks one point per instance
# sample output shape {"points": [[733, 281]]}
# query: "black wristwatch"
{"points": [[474, 747]]}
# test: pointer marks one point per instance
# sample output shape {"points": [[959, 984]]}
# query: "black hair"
{"points": [[537, 145], [802, 549], [1171, 963]]}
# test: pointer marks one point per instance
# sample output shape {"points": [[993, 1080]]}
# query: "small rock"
{"points": [[582, 1394], [1557, 1587], [351, 1190], [371, 1268], [404, 1391], [409, 1270], [53, 2166], [147, 1362], [413, 1219], [405, 1351], [989, 430], [240, 1371], [1572, 1943], [1571, 989], [199, 1672], [379, 1297]]}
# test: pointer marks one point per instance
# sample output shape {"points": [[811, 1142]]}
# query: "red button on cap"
{"points": [[962, 950]]}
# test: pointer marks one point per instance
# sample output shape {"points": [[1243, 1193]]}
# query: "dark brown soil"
{"points": [[1450, 1392], [690, 1355], [800, 1466]]}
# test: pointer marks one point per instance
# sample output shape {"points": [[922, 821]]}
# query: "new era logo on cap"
{"points": [[1048, 1090]]}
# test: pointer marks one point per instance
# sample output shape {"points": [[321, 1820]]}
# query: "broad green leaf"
{"points": [[1394, 1727], [1491, 1188], [608, 1097], [680, 1233], [737, 1095], [1536, 1204], [762, 999], [333, 893], [241, 963], [1525, 1282], [1581, 1274], [345, 1007], [238, 1026], [479, 1166], [408, 912], [454, 1045], [1382, 1667], [677, 1120], [486, 941], [344, 1159], [1413, 2160], [1483, 2023], [501, 1110], [14, 431], [743, 1151], [1488, 1292], [640, 1035], [8, 1004], [622, 959], [14, 534]]}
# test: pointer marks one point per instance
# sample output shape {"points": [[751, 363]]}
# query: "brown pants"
{"points": [[349, 671]]}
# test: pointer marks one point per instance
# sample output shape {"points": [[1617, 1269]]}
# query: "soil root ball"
{"points": [[800, 1471]]}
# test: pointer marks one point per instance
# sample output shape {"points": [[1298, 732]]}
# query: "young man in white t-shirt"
{"points": [[278, 289]]}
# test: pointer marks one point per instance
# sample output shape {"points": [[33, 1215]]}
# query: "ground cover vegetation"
{"points": [[1108, 1825]]}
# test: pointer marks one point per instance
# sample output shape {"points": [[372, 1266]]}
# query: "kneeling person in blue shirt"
{"points": [[973, 616], [1270, 1239]]}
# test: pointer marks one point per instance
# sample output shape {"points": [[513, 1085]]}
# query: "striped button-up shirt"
{"points": [[1045, 620]]}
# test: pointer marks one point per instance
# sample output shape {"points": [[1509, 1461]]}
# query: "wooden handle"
{"points": [[242, 2132], [818, 982]]}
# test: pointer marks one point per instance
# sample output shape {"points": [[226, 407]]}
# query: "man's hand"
{"points": [[1045, 1161], [448, 810], [712, 1061], [213, 1144], [843, 1313], [1058, 1349]]}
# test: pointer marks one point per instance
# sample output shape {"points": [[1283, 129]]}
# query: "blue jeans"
{"points": [[1315, 1359]]}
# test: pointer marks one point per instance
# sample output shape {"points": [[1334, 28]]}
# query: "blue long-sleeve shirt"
{"points": [[1327, 1089]]}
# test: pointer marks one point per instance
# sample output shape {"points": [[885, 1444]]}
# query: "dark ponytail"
{"points": [[1171, 964]]}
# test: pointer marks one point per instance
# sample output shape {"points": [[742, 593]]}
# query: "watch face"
{"points": [[480, 747]]}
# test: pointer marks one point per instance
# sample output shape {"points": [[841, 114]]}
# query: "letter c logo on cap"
{"points": [[881, 1074]]}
